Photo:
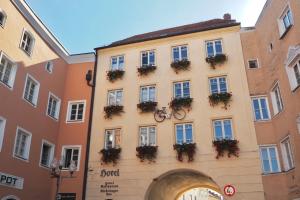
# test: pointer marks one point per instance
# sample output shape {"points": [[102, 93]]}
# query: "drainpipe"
{"points": [[87, 151]]}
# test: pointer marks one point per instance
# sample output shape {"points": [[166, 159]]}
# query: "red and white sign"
{"points": [[229, 190]]}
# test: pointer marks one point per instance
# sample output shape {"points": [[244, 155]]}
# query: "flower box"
{"points": [[216, 60], [223, 97], [112, 110], [147, 106], [145, 69], [231, 146], [113, 75], [187, 149], [180, 65], [111, 155], [178, 103], [146, 152]]}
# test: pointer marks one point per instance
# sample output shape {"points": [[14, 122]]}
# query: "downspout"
{"points": [[87, 151]]}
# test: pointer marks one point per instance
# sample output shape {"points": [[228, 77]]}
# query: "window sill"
{"points": [[285, 32], [272, 173], [29, 102], [21, 158], [29, 54], [295, 89], [277, 114], [45, 167], [53, 118], [6, 85], [262, 121], [74, 121]]}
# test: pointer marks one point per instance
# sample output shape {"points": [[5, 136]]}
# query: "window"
{"points": [[298, 123], [287, 154], [260, 108], [27, 42], [147, 136], [184, 133], [47, 153], [285, 21], [180, 53], [76, 111], [214, 48], [223, 129], [3, 17], [148, 58], [218, 85], [115, 97], [293, 69], [71, 153], [112, 138], [7, 71], [276, 99], [31, 90], [22, 144], [117, 63], [296, 69], [53, 106], [182, 89], [2, 128], [253, 64], [49, 67], [147, 93], [269, 159]]}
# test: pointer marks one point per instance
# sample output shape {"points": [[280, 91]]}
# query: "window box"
{"points": [[188, 149], [215, 99], [178, 103], [178, 65], [145, 69], [113, 75], [110, 155], [147, 106], [229, 145], [217, 59], [147, 152], [112, 110]]}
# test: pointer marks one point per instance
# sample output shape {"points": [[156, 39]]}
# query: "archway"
{"points": [[173, 184]]}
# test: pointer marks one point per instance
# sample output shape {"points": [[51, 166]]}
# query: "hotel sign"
{"points": [[11, 181]]}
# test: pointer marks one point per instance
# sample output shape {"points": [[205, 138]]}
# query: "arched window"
{"points": [[10, 197], [3, 17]]}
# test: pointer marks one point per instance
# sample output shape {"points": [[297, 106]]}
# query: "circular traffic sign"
{"points": [[229, 190]]}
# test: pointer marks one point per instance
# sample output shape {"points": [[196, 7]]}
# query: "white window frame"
{"points": [[115, 97], [148, 57], [36, 92], [298, 123], [281, 25], [184, 132], [114, 137], [4, 18], [57, 111], [260, 110], [32, 43], [269, 158], [181, 86], [223, 129], [284, 152], [12, 77], [257, 63], [214, 46], [10, 197], [148, 135], [28, 145], [148, 93], [276, 109], [118, 61], [51, 156], [2, 131], [218, 83], [70, 103], [179, 48], [71, 147], [51, 65]]}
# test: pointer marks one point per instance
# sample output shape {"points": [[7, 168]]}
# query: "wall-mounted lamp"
{"points": [[89, 78]]}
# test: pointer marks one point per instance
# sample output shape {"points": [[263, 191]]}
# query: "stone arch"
{"points": [[172, 184]]}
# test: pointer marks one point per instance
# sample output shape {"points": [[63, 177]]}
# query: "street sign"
{"points": [[229, 190]]}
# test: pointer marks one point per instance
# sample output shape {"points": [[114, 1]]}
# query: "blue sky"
{"points": [[82, 25]]}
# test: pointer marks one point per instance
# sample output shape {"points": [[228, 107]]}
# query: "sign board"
{"points": [[229, 190], [11, 181], [66, 196]]}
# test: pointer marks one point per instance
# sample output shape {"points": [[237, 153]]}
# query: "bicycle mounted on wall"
{"points": [[161, 114]]}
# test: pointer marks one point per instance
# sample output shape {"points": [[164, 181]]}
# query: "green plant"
{"points": [[145, 69], [146, 152], [178, 103], [113, 75], [112, 110], [215, 60], [147, 106], [186, 148], [215, 99], [110, 155], [183, 64], [231, 146]]}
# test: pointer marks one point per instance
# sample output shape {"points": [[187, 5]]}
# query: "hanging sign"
{"points": [[229, 190]]}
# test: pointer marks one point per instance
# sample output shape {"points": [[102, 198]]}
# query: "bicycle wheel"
{"points": [[158, 116], [179, 114]]}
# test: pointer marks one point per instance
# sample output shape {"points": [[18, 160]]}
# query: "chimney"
{"points": [[227, 16]]}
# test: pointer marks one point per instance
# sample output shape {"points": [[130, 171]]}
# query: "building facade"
{"points": [[271, 53], [169, 68], [44, 109]]}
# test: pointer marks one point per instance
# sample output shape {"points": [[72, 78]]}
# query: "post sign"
{"points": [[229, 190], [11, 181]]}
